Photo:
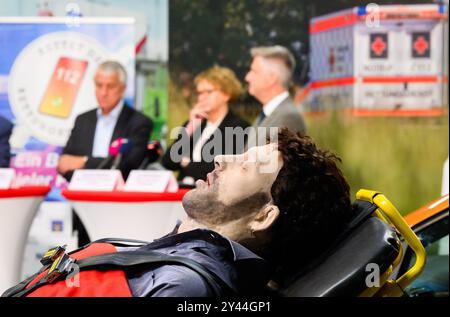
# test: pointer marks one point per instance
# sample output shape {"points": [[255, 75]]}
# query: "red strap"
{"points": [[90, 283]]}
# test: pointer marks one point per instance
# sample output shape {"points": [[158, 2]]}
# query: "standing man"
{"points": [[269, 79], [94, 130], [5, 133]]}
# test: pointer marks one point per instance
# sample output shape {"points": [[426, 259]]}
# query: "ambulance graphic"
{"points": [[390, 59]]}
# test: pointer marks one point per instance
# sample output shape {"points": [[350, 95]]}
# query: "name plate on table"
{"points": [[7, 176], [96, 180], [151, 181]]}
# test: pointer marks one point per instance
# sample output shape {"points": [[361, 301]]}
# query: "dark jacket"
{"points": [[237, 267], [131, 124], [199, 170], [286, 115], [5, 133]]}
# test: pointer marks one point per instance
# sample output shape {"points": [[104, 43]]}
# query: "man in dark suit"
{"points": [[269, 79], [5, 133], [94, 130], [209, 130]]}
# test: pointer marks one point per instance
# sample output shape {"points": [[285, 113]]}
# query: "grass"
{"points": [[400, 157]]}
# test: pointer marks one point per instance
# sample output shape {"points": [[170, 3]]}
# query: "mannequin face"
{"points": [[236, 191]]}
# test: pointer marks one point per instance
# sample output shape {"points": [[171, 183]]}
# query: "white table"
{"points": [[130, 215], [18, 207]]}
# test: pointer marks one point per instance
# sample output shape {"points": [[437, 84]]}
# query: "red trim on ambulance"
{"points": [[333, 82], [333, 23], [399, 13], [376, 80], [399, 79]]}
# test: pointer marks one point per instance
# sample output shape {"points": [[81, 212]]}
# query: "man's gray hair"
{"points": [[281, 54], [115, 68]]}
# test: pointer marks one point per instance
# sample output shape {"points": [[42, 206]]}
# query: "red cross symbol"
{"points": [[378, 46], [420, 45]]}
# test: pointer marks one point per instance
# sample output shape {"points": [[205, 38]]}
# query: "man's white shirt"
{"points": [[270, 107], [206, 134], [104, 130]]}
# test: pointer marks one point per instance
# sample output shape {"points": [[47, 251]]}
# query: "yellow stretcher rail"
{"points": [[388, 213]]}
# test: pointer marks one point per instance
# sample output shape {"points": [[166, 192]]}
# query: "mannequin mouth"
{"points": [[209, 179], [208, 182]]}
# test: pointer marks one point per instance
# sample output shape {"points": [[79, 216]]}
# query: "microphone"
{"points": [[152, 154], [124, 148], [113, 151], [115, 146]]}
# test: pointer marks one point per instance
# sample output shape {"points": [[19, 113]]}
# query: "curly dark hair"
{"points": [[314, 201]]}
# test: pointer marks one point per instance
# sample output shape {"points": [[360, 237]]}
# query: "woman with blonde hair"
{"points": [[216, 87]]}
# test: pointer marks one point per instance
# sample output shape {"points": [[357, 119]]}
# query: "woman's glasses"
{"points": [[205, 92]]}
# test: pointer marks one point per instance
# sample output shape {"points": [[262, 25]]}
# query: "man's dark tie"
{"points": [[260, 118]]}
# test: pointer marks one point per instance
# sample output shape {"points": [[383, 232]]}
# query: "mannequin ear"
{"points": [[265, 218]]}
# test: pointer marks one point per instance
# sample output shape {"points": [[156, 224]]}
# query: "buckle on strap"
{"points": [[60, 267], [51, 255]]}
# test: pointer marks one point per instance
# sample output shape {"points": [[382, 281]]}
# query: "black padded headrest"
{"points": [[343, 272]]}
